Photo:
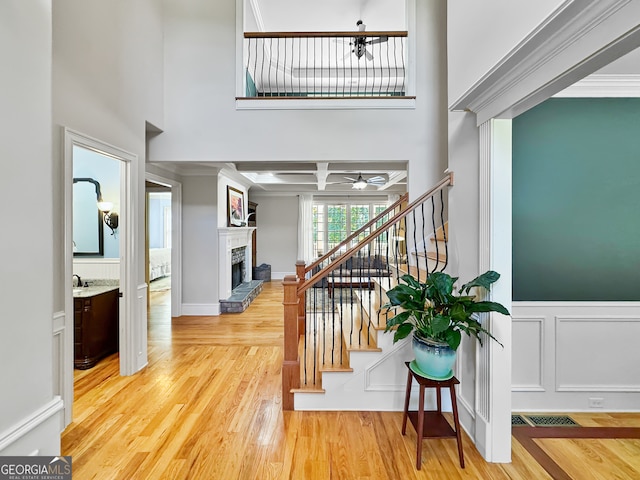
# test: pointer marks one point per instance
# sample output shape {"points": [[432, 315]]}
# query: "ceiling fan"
{"points": [[360, 183], [359, 44]]}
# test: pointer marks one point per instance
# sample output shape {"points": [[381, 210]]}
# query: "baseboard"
{"points": [[39, 432], [200, 309], [280, 275]]}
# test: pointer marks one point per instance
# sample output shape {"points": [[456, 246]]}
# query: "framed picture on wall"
{"points": [[235, 207]]}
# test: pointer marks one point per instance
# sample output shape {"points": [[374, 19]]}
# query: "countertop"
{"points": [[86, 292]]}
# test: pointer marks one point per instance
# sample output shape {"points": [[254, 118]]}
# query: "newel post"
{"points": [[300, 267], [291, 363]]}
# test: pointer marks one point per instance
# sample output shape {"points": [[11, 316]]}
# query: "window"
{"points": [[333, 222]]}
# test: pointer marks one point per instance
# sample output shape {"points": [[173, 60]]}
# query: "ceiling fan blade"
{"points": [[378, 40], [377, 180], [368, 55], [352, 179], [377, 183]]}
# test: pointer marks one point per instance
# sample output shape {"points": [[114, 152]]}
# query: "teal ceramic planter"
{"points": [[434, 360]]}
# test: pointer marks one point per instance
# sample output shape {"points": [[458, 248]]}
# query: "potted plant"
{"points": [[437, 316]]}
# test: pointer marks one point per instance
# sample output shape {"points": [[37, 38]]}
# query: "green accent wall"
{"points": [[251, 86], [576, 201]]}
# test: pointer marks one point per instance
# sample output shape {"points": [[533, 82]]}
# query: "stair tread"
{"points": [[308, 389], [370, 302], [414, 272], [440, 256], [441, 234], [358, 337]]}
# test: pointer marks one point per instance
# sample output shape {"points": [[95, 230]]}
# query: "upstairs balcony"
{"points": [[326, 66]]}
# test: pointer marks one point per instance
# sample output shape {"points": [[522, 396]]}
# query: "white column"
{"points": [[493, 362]]}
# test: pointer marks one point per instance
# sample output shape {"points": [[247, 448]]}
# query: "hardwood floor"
{"points": [[208, 406]]}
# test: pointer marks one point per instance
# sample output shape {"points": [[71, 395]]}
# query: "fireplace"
{"points": [[234, 245], [237, 266]]}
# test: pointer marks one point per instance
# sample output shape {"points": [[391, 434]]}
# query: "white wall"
{"points": [[107, 82], [480, 34], [277, 233], [331, 15], [26, 328], [199, 244], [464, 235]]}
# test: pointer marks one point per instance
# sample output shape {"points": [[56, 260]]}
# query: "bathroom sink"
{"points": [[77, 291]]}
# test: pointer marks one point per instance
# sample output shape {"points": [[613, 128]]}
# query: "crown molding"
{"points": [[552, 57], [603, 86]]}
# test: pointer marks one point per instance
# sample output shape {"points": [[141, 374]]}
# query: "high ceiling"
{"points": [[328, 178]]}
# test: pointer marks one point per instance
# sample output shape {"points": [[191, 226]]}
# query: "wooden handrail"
{"points": [[355, 234], [399, 33], [446, 181]]}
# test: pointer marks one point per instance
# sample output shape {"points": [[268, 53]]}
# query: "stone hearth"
{"points": [[241, 297]]}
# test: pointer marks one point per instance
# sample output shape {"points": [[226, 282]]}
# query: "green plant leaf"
{"points": [[459, 312], [488, 307], [453, 338], [411, 281], [485, 280], [439, 287], [439, 324], [397, 320], [402, 293], [402, 332]]}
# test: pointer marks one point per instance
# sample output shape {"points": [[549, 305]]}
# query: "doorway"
{"points": [[158, 245], [164, 237], [107, 170]]}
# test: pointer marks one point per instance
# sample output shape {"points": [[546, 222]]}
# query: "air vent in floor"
{"points": [[518, 420], [551, 421]]}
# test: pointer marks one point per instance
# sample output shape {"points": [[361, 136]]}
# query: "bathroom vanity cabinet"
{"points": [[96, 321]]}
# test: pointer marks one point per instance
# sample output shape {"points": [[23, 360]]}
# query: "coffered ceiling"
{"points": [[325, 177]]}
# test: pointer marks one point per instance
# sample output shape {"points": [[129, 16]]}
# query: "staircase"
{"points": [[337, 355]]}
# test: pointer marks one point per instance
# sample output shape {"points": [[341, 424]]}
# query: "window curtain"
{"points": [[305, 228]]}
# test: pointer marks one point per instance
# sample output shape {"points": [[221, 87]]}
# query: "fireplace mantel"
{"points": [[228, 239]]}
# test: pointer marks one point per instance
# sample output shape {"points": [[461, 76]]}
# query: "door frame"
{"points": [[127, 342], [176, 239]]}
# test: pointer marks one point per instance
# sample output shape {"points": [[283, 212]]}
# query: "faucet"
{"points": [[79, 284]]}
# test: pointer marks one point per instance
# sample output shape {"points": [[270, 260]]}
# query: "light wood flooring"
{"points": [[208, 406]]}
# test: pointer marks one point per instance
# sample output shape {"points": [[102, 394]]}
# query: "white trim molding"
{"points": [[327, 104], [493, 362], [575, 41], [22, 439], [603, 86], [524, 366], [176, 238], [200, 309]]}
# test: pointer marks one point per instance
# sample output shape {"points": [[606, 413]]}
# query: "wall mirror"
{"points": [[88, 228]]}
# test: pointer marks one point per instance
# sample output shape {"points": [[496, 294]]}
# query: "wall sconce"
{"points": [[110, 218]]}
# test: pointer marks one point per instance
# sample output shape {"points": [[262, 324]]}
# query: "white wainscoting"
{"points": [[141, 327], [576, 356], [62, 376], [102, 268], [39, 433]]}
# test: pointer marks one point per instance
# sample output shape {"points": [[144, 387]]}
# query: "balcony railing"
{"points": [[325, 64]]}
